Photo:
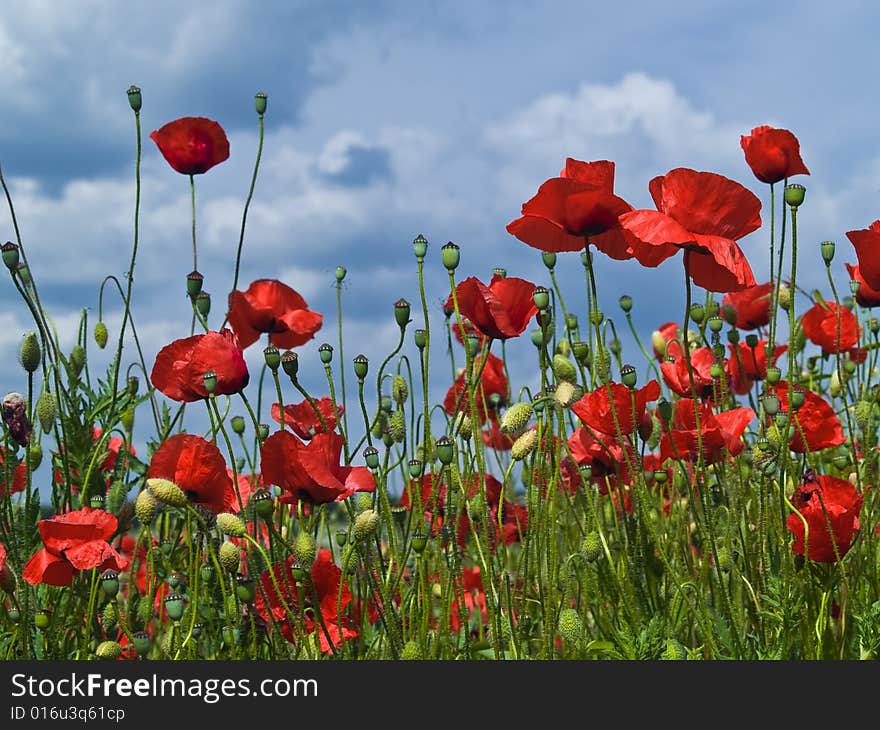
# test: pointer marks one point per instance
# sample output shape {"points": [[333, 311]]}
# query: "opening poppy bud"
{"points": [[566, 394], [658, 342], [445, 450], [524, 445], [263, 431], [698, 314], [371, 457], [194, 282], [581, 352], [210, 380], [499, 271], [416, 467], [549, 259], [628, 376], [101, 334], [145, 507], [716, 324], [260, 101], [231, 525], [203, 303], [30, 353], [421, 338], [450, 255], [9, 252], [571, 626], [401, 312], [108, 650], [365, 524], [563, 369], [135, 100], [827, 250], [794, 194], [420, 246], [229, 556], [325, 352], [174, 603], [516, 418], [397, 426]]}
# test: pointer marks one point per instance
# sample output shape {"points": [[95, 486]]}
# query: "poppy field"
{"points": [[705, 491]]}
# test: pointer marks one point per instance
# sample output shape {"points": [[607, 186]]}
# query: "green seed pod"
{"points": [[361, 366], [401, 312], [420, 247], [260, 102], [450, 255], [794, 194], [135, 100], [110, 583], [10, 255], [30, 353]]}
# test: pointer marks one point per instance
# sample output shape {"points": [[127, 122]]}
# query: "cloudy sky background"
{"points": [[388, 119]]}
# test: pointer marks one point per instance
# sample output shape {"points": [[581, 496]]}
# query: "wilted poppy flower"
{"points": [[270, 306], [595, 409], [704, 213], [180, 367], [821, 326], [493, 381], [577, 207], [824, 501], [311, 471], [14, 412], [73, 541], [192, 145], [196, 466], [501, 310], [750, 307], [331, 594], [720, 433], [748, 364], [676, 375], [303, 420], [866, 296], [866, 242], [773, 154], [816, 425]]}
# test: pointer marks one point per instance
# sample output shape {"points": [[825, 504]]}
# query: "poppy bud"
{"points": [[450, 255], [445, 450], [794, 194], [658, 342], [591, 547], [108, 650], [541, 297], [549, 259], [132, 385], [571, 626], [174, 603], [229, 556], [784, 297], [563, 369], [9, 251], [304, 548], [399, 390], [874, 325], [401, 312], [35, 458], [47, 410], [231, 525], [290, 363], [863, 414], [210, 380], [499, 271], [827, 250], [145, 507], [134, 98], [341, 271], [581, 352], [539, 338], [628, 376], [463, 426], [203, 303], [272, 357], [516, 418], [109, 617], [397, 426], [237, 423], [371, 457], [101, 334], [420, 246], [194, 282], [524, 445], [602, 365], [260, 101], [365, 524], [167, 492], [325, 352]]}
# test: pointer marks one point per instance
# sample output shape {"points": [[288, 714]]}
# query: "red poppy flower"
{"points": [[866, 296], [19, 476], [676, 376], [311, 471], [668, 332], [270, 306], [706, 214], [247, 485], [824, 501], [330, 594], [819, 426], [751, 306], [474, 600], [196, 466], [73, 541], [595, 409], [493, 381], [821, 326], [577, 206], [866, 242], [748, 364], [467, 329], [7, 578], [609, 464], [720, 433], [501, 310], [180, 367], [114, 445], [192, 145], [773, 154], [302, 419]]}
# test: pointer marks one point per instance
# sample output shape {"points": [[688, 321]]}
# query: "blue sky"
{"points": [[390, 119]]}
